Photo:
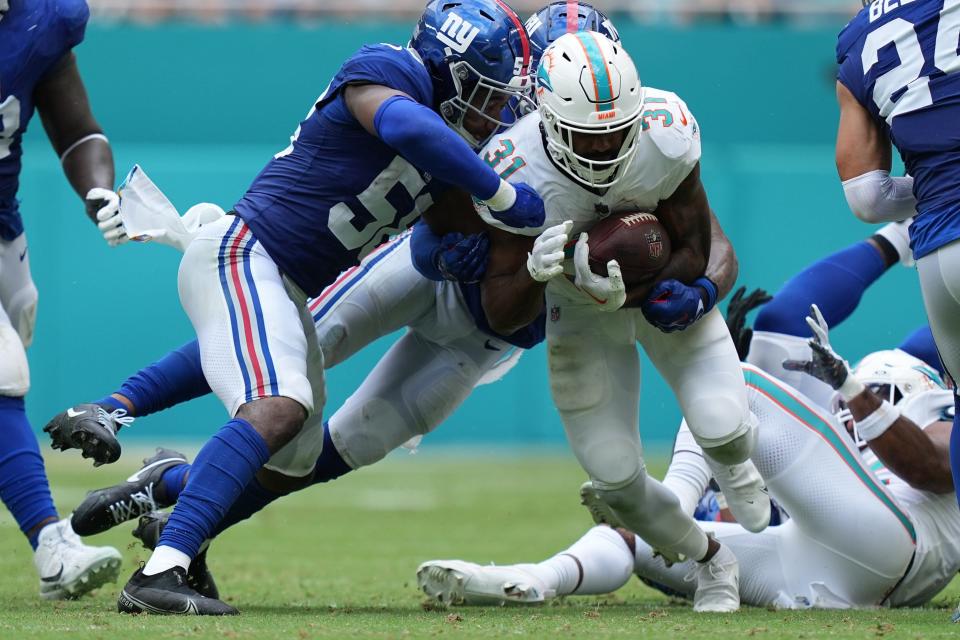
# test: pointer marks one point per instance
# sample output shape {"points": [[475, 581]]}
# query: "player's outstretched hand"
{"points": [[526, 211], [825, 364], [103, 206], [463, 258], [737, 310], [674, 306], [545, 261], [609, 293]]}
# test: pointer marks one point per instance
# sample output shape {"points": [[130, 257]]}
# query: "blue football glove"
{"points": [[674, 306], [526, 211], [463, 258]]}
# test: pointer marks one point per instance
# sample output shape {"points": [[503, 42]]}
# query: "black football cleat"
{"points": [[199, 577], [139, 494], [167, 593], [91, 428]]}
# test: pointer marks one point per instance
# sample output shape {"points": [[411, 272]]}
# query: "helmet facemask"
{"points": [[481, 98], [590, 172]]}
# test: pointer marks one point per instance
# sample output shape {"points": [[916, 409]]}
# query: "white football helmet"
{"points": [[587, 84], [894, 375]]}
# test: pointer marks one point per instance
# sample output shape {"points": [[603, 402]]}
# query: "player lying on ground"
{"points": [[375, 441], [38, 70], [853, 518]]}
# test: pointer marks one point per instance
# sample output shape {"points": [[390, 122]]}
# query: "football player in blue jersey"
{"points": [[394, 129], [38, 70], [898, 83]]}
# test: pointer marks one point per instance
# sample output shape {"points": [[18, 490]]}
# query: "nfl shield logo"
{"points": [[654, 244], [554, 313]]}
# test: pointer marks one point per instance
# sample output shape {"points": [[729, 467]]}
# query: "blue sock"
{"points": [[23, 480], [330, 465], [222, 470], [254, 498], [955, 443], [174, 378], [835, 283], [172, 481], [920, 344], [111, 402]]}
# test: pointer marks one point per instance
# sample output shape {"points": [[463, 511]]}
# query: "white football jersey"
{"points": [[668, 148], [935, 516]]}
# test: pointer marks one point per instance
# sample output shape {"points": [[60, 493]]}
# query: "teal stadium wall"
{"points": [[203, 108]]}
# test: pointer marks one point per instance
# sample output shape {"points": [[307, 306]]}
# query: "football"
{"points": [[637, 241]]}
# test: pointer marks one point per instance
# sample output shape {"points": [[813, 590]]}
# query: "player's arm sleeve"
{"points": [[876, 196], [421, 136]]}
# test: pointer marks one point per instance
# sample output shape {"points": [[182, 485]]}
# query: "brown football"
{"points": [[636, 240]]}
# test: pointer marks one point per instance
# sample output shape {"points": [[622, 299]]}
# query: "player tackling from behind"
{"points": [[392, 130]]}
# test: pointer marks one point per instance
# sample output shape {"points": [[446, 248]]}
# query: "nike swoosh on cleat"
{"points": [[489, 345], [136, 477], [73, 414], [54, 578]]}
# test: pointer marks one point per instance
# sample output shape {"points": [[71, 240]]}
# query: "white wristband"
{"points": [[877, 423], [504, 198], [851, 387]]}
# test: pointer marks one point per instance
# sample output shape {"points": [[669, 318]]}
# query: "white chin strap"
{"points": [[4, 7]]}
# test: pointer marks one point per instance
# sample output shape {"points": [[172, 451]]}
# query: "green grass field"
{"points": [[338, 561]]}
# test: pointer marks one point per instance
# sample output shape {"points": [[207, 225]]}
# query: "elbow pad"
{"points": [[877, 197]]}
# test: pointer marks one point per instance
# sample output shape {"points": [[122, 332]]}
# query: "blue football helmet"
{"points": [[565, 16], [479, 57]]}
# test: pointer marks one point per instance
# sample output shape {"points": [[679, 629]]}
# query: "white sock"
{"points": [[599, 562], [164, 558], [688, 475]]}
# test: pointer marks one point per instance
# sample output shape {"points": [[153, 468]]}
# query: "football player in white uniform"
{"points": [[601, 143], [866, 529]]}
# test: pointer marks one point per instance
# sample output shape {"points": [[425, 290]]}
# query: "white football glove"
{"points": [[609, 293], [546, 259], [108, 215]]}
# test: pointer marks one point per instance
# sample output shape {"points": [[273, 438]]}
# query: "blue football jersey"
{"points": [[34, 36], [324, 202], [900, 58]]}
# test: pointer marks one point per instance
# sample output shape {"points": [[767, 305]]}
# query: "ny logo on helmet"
{"points": [[457, 33]]}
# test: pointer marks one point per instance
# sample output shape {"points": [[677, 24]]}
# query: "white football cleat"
{"points": [[718, 583], [455, 582], [67, 567], [745, 492]]}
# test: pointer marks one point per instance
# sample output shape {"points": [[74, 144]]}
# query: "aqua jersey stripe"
{"points": [[772, 389], [598, 68]]}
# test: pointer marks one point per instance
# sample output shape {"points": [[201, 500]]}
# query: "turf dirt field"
{"points": [[338, 561]]}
